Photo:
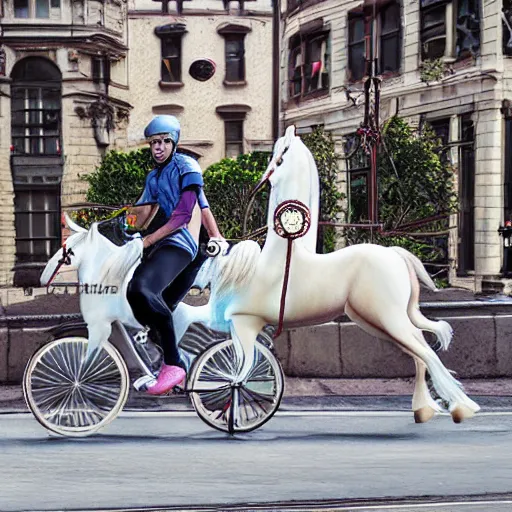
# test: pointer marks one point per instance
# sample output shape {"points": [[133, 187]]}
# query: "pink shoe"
{"points": [[168, 377]]}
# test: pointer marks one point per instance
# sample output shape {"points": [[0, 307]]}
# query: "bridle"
{"points": [[65, 260], [297, 206]]}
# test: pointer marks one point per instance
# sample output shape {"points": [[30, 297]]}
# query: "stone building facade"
{"points": [[81, 77], [466, 45]]}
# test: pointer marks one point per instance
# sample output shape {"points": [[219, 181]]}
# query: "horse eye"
{"points": [[279, 160]]}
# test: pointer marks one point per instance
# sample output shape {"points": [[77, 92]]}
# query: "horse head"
{"points": [[71, 253], [100, 253], [293, 175]]}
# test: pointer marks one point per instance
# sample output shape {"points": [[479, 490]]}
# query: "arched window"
{"points": [[36, 107], [36, 164]]}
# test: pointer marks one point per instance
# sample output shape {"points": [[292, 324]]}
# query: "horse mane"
{"points": [[117, 265], [235, 270]]}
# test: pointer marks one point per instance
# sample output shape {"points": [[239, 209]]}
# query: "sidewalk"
{"points": [[333, 393]]}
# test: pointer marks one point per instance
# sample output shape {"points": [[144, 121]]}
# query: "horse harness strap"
{"points": [[65, 260], [292, 220]]}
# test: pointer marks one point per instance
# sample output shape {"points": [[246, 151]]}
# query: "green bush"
{"points": [[120, 177], [228, 185], [119, 180]]}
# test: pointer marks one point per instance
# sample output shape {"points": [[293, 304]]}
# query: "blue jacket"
{"points": [[164, 186]]}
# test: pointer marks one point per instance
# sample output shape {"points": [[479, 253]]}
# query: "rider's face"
{"points": [[161, 147]]}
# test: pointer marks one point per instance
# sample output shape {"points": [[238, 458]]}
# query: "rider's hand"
{"points": [[145, 242]]}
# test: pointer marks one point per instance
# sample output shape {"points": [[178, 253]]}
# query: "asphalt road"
{"points": [[172, 459]]}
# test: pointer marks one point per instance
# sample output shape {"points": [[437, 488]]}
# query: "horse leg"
{"points": [[440, 328], [244, 331], [98, 333], [423, 405], [411, 339]]}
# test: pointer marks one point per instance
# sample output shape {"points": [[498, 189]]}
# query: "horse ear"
{"points": [[290, 132], [73, 226], [289, 135]]}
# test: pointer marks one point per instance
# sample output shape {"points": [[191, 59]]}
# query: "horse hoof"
{"points": [[460, 413], [424, 414]]}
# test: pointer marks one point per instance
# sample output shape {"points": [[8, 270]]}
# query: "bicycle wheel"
{"points": [[235, 408], [70, 397]]}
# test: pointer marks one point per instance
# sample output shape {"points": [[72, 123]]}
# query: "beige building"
{"points": [[224, 116], [467, 45], [81, 77]]}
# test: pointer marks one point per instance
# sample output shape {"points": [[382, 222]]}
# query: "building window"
{"points": [[235, 60], [234, 132], [449, 29], [171, 45], [459, 136], [387, 25], [36, 109], [36, 120], [171, 59], [309, 64], [506, 15], [37, 219], [234, 36], [356, 48], [101, 70], [233, 117], [34, 8], [389, 40], [36, 164]]}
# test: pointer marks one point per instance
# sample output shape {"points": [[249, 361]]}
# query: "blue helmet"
{"points": [[164, 124]]}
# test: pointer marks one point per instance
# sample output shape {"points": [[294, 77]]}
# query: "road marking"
{"points": [[190, 414]]}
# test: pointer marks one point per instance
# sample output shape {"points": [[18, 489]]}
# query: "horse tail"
{"points": [[442, 329], [236, 269], [418, 267]]}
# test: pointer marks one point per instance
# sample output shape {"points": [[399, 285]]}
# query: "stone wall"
{"points": [[480, 348]]}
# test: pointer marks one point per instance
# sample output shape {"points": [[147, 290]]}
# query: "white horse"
{"points": [[104, 272], [377, 287]]}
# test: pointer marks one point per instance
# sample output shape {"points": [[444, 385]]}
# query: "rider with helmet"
{"points": [[171, 257]]}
